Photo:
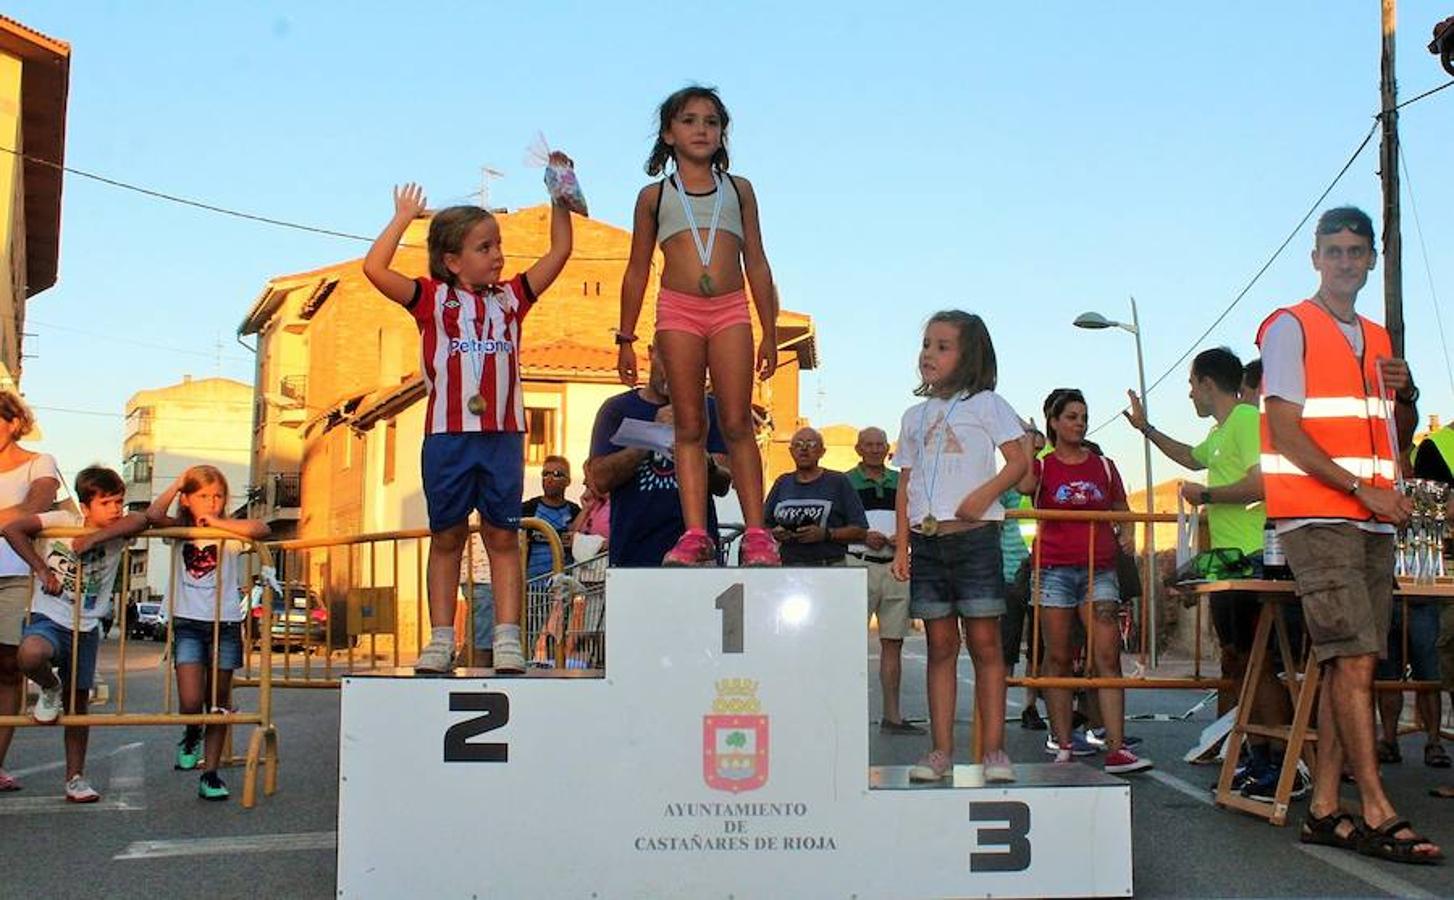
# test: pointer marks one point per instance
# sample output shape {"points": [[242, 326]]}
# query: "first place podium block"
{"points": [[723, 754]]}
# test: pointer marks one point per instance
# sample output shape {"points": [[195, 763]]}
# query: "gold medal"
{"points": [[705, 283], [929, 526], [476, 404]]}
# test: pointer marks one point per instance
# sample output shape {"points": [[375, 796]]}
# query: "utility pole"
{"points": [[1393, 291]]}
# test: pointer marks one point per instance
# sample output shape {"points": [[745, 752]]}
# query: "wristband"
{"points": [[1410, 398], [1206, 496], [623, 337], [1353, 488]]}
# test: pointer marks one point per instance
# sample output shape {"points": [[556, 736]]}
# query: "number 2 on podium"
{"points": [[730, 603]]}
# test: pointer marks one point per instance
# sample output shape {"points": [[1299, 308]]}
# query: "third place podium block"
{"points": [[723, 752]]}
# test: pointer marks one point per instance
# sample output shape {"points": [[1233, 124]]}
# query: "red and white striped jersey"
{"points": [[470, 344]]}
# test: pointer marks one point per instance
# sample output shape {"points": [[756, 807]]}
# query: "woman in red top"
{"points": [[1073, 572]]}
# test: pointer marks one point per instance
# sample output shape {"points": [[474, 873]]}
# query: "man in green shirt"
{"points": [[1232, 499]]}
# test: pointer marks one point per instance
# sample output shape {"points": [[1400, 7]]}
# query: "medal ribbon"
{"points": [[939, 451], [474, 324], [704, 251]]}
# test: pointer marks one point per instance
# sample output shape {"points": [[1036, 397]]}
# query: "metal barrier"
{"points": [[262, 749], [565, 616], [359, 603]]}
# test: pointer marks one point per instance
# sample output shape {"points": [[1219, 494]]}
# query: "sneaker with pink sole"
{"points": [[1123, 762], [935, 766], [759, 550], [692, 549], [997, 768]]}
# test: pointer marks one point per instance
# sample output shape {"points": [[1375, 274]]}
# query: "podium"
{"points": [[722, 753]]}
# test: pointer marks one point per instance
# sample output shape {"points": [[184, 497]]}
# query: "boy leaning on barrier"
{"points": [[59, 563]]}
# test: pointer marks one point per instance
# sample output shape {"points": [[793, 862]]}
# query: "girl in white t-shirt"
{"points": [[947, 543], [29, 482], [205, 610]]}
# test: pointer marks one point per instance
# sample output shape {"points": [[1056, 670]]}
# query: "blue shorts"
{"points": [[483, 603], [1423, 657], [474, 470], [1066, 587], [59, 638], [957, 574], [192, 643]]}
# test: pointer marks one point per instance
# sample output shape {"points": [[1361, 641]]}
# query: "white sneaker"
{"points": [[437, 658], [79, 790], [509, 658], [935, 766], [997, 768], [48, 706]]}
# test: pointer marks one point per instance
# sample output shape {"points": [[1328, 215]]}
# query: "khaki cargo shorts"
{"points": [[1345, 581], [888, 598]]}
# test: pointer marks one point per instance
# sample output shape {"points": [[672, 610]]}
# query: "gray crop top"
{"points": [[671, 220]]}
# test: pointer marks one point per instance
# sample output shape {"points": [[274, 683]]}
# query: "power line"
{"points": [[1428, 270], [1293, 233], [1449, 83], [111, 337], [239, 214]]}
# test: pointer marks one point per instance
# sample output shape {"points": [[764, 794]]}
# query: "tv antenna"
{"points": [[486, 174]]}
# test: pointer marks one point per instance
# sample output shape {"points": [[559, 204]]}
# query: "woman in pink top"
{"points": [[1074, 576]]}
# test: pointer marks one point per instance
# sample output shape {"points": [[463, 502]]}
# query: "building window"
{"points": [[391, 439], [137, 468], [539, 435], [138, 421]]}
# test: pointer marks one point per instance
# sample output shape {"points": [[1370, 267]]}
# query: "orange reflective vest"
{"points": [[1343, 414]]}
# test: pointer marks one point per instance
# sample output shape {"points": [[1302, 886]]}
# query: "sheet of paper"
{"points": [[656, 436], [882, 521]]}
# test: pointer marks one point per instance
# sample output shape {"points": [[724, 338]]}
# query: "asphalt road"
{"points": [[151, 837]]}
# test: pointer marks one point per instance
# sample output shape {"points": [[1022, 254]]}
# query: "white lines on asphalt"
{"points": [[1201, 795], [1367, 873], [124, 792], [251, 843]]}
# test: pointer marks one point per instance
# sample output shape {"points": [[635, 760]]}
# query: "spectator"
{"points": [[554, 509], [1073, 477], [28, 485], [1251, 383], [1231, 456], [1327, 470], [594, 522], [888, 598], [646, 512], [814, 513]]}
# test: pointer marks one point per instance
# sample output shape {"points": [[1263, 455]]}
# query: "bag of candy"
{"points": [[560, 174]]}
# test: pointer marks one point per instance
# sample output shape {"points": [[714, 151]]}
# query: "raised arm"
{"points": [[759, 279], [633, 282], [408, 206], [1175, 450], [546, 269], [157, 513], [126, 526]]}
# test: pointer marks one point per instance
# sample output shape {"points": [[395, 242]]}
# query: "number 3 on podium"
{"points": [[730, 603]]}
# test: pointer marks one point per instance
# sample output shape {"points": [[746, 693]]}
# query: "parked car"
{"points": [[300, 619], [149, 621]]}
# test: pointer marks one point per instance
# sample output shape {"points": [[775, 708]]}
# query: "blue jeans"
{"points": [[192, 643], [957, 574], [483, 604], [59, 637], [1067, 587]]}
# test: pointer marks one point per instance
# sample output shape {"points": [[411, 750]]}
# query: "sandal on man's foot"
{"points": [[1443, 792], [1436, 757], [1324, 830], [1388, 752], [1383, 843]]}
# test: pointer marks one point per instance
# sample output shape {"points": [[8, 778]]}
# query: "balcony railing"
{"points": [[287, 490]]}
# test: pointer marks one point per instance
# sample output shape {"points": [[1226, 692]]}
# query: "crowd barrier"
{"points": [[262, 750], [359, 603]]}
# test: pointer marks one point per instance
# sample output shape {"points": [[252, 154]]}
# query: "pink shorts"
{"points": [[704, 317]]}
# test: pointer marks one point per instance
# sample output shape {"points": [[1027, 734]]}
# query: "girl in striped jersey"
{"points": [[473, 459]]}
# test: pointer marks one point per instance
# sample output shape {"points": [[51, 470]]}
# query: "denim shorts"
{"points": [[192, 643], [483, 603], [59, 638], [1423, 657], [957, 574], [1066, 587], [473, 470]]}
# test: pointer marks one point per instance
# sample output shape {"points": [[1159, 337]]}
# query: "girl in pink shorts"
{"points": [[706, 222]]}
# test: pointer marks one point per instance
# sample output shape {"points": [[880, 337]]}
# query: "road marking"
{"points": [[123, 793], [1181, 785], [61, 764], [1364, 872], [251, 843]]}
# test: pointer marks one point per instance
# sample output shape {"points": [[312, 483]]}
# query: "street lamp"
{"points": [[1094, 321]]}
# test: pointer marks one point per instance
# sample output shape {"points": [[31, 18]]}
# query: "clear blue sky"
{"points": [[1024, 161]]}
